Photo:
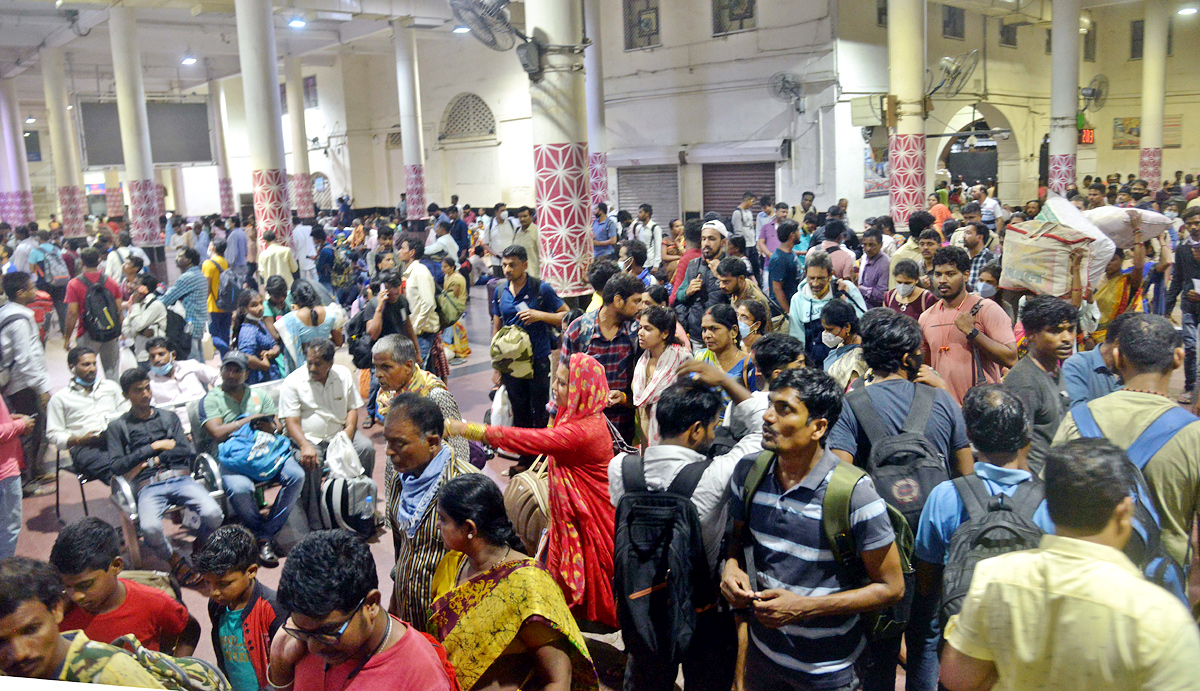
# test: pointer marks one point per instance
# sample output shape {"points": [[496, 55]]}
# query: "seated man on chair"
{"points": [[79, 414], [174, 382], [148, 447], [319, 400]]}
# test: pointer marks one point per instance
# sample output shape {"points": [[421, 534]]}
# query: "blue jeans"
{"points": [[877, 664], [10, 515], [218, 326], [153, 501], [240, 490], [425, 341], [198, 349]]}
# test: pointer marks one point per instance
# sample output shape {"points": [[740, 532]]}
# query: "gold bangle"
{"points": [[273, 685], [475, 431]]}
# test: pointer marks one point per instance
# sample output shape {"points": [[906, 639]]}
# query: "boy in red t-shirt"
{"points": [[86, 556]]}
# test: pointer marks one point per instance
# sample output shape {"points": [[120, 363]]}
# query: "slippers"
{"points": [[186, 576]]}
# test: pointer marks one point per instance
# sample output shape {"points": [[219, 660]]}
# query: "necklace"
{"points": [[1147, 391]]}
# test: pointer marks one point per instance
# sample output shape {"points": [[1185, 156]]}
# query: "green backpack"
{"points": [[179, 673], [835, 523]]}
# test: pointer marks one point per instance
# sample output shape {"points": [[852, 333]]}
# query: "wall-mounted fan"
{"points": [[787, 87], [955, 73], [1095, 93], [488, 21]]}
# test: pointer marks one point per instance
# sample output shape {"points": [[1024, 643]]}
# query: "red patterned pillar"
{"points": [[271, 208], [560, 185], [143, 211], [227, 207], [71, 203], [598, 172], [114, 201], [304, 195], [906, 181], [25, 206], [160, 200], [6, 213], [1150, 167], [1062, 172], [414, 188]]}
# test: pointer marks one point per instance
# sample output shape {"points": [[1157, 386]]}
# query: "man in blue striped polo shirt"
{"points": [[802, 609]]}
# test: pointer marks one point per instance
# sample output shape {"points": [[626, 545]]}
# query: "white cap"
{"points": [[717, 226]]}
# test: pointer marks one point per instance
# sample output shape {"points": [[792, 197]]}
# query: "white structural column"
{"points": [[294, 76], [593, 70], [216, 111], [560, 161], [135, 129], [412, 144], [260, 80], [906, 84], [1154, 87], [62, 145], [1064, 94], [16, 204]]}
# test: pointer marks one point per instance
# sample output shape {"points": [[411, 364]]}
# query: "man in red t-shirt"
{"points": [[691, 243], [340, 637], [87, 558], [110, 350]]}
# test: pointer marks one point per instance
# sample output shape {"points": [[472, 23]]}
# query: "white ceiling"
{"points": [[168, 29]]}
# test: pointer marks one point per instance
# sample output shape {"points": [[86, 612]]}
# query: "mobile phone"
{"points": [[522, 306]]}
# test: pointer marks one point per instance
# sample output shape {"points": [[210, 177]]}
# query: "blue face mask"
{"points": [[162, 370], [86, 384], [743, 329]]}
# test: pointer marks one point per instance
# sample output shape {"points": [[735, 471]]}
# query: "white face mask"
{"points": [[905, 289], [504, 215], [986, 290], [831, 340]]}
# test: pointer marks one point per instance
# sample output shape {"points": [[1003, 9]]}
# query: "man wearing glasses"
{"points": [[1183, 281], [340, 637]]}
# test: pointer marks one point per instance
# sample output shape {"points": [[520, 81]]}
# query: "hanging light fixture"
{"points": [[297, 21], [189, 58]]}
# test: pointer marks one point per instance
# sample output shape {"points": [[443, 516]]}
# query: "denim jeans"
{"points": [[877, 664], [218, 326], [153, 501], [240, 490], [10, 515], [1189, 350], [198, 349], [425, 341]]}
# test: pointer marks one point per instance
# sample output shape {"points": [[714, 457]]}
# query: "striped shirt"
{"points": [[618, 358], [192, 289], [791, 553]]}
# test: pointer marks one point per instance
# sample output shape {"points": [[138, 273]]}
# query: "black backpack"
{"points": [[358, 341], [905, 467], [179, 335], [661, 577], [101, 315], [995, 525]]}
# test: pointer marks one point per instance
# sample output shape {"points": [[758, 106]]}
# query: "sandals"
{"points": [[1187, 398], [182, 572]]}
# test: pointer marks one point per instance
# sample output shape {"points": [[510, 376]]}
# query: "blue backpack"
{"points": [[253, 453], [1145, 548]]}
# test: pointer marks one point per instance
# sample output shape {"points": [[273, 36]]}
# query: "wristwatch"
{"points": [[973, 333]]}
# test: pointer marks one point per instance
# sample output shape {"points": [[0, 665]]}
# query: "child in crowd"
{"points": [[31, 607], [455, 335], [242, 610], [87, 557]]}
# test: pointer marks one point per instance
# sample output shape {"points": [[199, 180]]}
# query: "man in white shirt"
{"points": [[687, 414], [444, 243], [78, 415], [176, 382], [991, 211], [114, 263], [147, 319], [26, 241], [649, 234], [23, 360], [497, 234], [527, 236], [420, 291], [319, 400], [306, 252]]}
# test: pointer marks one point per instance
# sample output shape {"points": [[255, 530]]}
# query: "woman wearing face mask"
{"points": [[723, 346], [754, 321], [908, 297], [845, 361], [257, 338], [655, 370]]}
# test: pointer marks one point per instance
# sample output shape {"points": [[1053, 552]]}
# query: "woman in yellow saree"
{"points": [[1120, 291], [501, 617]]}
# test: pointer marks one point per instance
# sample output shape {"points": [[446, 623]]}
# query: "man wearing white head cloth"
{"points": [[700, 288]]}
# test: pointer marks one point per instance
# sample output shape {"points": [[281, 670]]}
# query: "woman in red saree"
{"points": [[579, 551]]}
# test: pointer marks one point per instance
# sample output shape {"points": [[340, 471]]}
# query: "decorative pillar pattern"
{"points": [[906, 161], [304, 195], [71, 203], [143, 211], [1062, 172], [114, 201], [271, 208], [25, 206], [414, 188], [7, 213], [227, 207], [1150, 168], [161, 199], [598, 171], [560, 185]]}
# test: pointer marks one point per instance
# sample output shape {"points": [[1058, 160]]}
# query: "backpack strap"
{"points": [[1162, 430], [921, 409], [754, 479], [835, 512], [1028, 497], [1084, 422], [973, 494], [633, 473], [868, 419], [688, 478]]}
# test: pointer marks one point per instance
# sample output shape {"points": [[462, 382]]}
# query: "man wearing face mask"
{"points": [[146, 319], [78, 415], [173, 381], [818, 290], [891, 347]]}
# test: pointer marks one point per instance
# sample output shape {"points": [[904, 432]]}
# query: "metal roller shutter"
{"points": [[725, 183], [657, 186]]}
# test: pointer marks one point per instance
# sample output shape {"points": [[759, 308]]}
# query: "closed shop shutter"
{"points": [[725, 183], [657, 186]]}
